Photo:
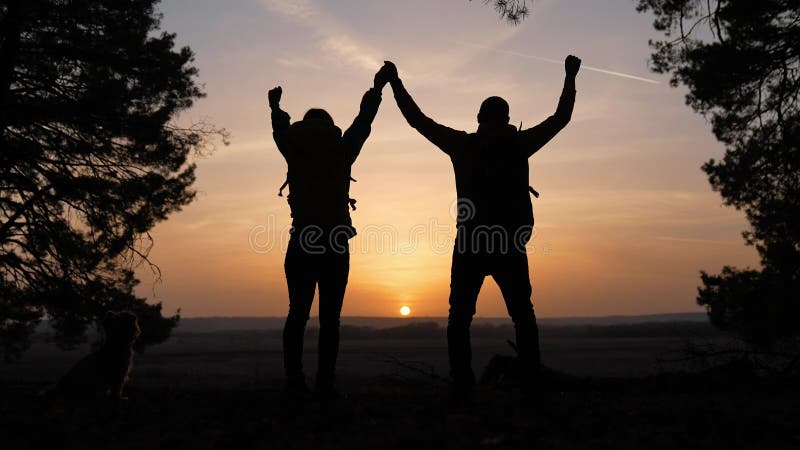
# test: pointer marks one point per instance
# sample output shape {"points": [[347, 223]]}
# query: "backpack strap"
{"points": [[351, 200], [531, 190]]}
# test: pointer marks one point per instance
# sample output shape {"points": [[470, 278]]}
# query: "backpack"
{"points": [[319, 175], [350, 200]]}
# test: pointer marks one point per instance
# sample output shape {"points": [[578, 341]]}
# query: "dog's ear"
{"points": [[513, 345]]}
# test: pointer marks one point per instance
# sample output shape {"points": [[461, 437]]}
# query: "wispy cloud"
{"points": [[335, 42], [555, 61], [350, 52], [340, 46], [298, 63], [298, 9]]}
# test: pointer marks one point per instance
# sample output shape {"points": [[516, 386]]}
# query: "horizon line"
{"points": [[445, 317]]}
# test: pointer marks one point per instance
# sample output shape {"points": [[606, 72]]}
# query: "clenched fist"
{"points": [[571, 65], [274, 96]]}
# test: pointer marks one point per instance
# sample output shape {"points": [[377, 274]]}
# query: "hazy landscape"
{"points": [[246, 351], [611, 383]]}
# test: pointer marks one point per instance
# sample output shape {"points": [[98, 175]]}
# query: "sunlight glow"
{"points": [[405, 310], [622, 169]]}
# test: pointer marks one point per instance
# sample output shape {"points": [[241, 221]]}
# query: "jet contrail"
{"points": [[555, 61]]}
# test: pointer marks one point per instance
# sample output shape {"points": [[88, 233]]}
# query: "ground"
{"points": [[670, 411], [224, 390]]}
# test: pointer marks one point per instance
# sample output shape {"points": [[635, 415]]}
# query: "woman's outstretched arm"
{"points": [[280, 119]]}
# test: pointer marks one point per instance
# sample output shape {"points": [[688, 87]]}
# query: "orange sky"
{"points": [[626, 219]]}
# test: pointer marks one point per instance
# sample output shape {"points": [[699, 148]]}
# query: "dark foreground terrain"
{"points": [[710, 410], [616, 387]]}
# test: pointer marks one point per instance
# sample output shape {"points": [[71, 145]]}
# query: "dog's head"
{"points": [[121, 328]]}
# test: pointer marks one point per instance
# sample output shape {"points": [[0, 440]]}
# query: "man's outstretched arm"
{"points": [[447, 139], [355, 136], [280, 119], [535, 138]]}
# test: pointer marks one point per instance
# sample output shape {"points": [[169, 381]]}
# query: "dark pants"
{"points": [[326, 266], [510, 270]]}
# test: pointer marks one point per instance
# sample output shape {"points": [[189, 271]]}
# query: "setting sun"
{"points": [[405, 310]]}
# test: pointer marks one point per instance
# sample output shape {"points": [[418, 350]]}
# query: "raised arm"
{"points": [[535, 138], [354, 137], [280, 119], [447, 139]]}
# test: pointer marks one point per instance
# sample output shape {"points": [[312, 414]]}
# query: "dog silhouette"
{"points": [[105, 372]]}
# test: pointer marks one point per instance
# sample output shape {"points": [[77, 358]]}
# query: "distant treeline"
{"points": [[208, 324], [422, 330], [433, 330]]}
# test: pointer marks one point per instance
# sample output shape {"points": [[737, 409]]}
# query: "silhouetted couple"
{"points": [[495, 221]]}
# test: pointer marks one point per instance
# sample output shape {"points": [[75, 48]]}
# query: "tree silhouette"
{"points": [[740, 61], [513, 11], [90, 160]]}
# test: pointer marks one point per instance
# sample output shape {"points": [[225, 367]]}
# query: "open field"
{"points": [[222, 389], [247, 356], [242, 358]]}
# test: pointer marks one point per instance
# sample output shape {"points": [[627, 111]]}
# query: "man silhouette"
{"points": [[495, 218], [319, 158]]}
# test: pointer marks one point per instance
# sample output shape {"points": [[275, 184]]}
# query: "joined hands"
{"points": [[386, 74]]}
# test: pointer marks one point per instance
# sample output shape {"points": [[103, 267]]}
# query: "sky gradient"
{"points": [[626, 218]]}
